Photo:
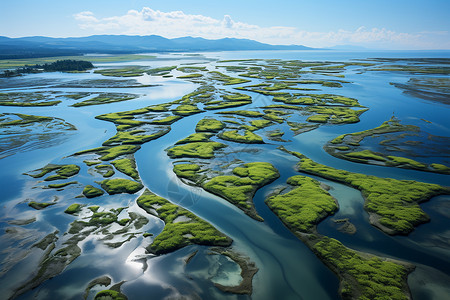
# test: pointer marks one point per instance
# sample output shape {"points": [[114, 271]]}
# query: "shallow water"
{"points": [[288, 269]]}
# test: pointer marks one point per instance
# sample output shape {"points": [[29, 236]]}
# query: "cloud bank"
{"points": [[178, 24]]}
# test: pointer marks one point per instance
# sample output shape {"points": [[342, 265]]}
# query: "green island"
{"points": [[240, 187], [362, 275], [161, 71], [209, 125], [120, 185], [195, 149], [335, 115], [62, 171], [127, 166], [393, 205], [186, 110], [302, 208], [91, 192], [347, 146], [167, 120], [195, 75], [229, 100], [110, 294], [247, 138], [61, 185], [109, 153], [73, 209], [189, 171], [40, 205], [245, 113], [132, 71], [196, 137], [105, 170], [225, 79], [105, 98], [134, 137], [181, 228]]}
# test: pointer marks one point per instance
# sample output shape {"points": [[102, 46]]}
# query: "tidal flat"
{"points": [[216, 178]]}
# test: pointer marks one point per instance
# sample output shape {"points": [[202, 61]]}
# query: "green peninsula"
{"points": [[181, 228]]}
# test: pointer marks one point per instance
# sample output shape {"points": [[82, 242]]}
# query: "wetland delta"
{"points": [[228, 175]]}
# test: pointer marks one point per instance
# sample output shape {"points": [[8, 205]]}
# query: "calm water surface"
{"points": [[288, 269]]}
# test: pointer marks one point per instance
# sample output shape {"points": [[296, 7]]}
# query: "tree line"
{"points": [[57, 66]]}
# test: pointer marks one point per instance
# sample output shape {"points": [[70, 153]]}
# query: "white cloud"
{"points": [[178, 24]]}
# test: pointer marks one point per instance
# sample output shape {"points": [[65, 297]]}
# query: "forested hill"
{"points": [[39, 46]]}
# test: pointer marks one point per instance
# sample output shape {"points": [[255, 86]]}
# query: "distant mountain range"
{"points": [[40, 46]]}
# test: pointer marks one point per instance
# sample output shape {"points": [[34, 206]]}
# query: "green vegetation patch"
{"points": [[61, 185], [186, 110], [240, 187], [134, 137], [120, 119], [441, 168], [298, 128], [109, 153], [396, 160], [209, 125], [126, 166], [105, 170], [167, 120], [302, 208], [196, 149], [363, 276], [91, 192], [274, 115], [247, 138], [161, 71], [181, 228], [188, 171], [392, 204], [131, 71], [40, 205], [110, 295], [245, 113], [225, 104], [196, 137], [258, 124], [334, 115], [227, 80], [189, 69], [27, 99], [62, 171], [236, 97], [73, 209], [120, 185], [106, 98], [195, 75], [365, 155]]}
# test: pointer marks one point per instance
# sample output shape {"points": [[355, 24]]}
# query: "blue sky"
{"points": [[393, 24]]}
